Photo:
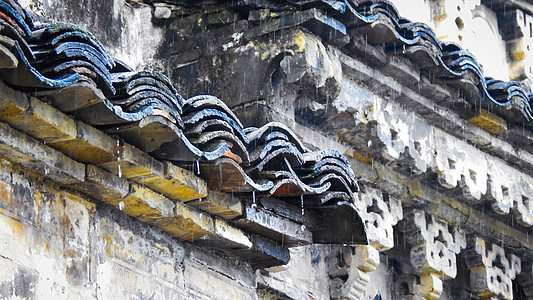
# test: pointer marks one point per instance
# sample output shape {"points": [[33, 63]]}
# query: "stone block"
{"points": [[102, 185], [187, 223], [132, 163], [90, 145], [489, 122], [12, 103], [264, 253], [177, 183], [226, 238], [294, 213], [225, 205], [42, 122], [144, 204], [41, 159], [272, 226]]}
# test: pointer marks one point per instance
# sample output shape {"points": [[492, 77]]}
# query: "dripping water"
{"points": [[254, 205], [118, 154], [302, 203]]}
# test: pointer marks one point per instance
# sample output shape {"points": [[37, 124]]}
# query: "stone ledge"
{"points": [[276, 228], [86, 144], [111, 165], [219, 204], [36, 157]]}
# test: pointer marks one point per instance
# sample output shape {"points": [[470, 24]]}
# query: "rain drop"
{"points": [[121, 205], [302, 203], [197, 168], [119, 172], [254, 205]]}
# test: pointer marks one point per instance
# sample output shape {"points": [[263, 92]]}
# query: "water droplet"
{"points": [[121, 205], [197, 168], [119, 172], [46, 170], [254, 205], [302, 203]]}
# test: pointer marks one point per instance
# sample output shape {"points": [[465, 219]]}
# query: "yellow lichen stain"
{"points": [[5, 195], [299, 41], [108, 242], [518, 55], [296, 45], [17, 228], [489, 122], [11, 110], [440, 17], [162, 248], [360, 157], [268, 53]]}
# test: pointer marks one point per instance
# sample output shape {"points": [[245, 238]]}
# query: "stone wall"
{"points": [[57, 244], [446, 186]]}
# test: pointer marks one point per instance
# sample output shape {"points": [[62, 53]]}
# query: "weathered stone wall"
{"points": [[58, 245], [399, 128]]}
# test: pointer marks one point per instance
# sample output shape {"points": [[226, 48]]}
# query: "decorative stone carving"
{"points": [[491, 269], [380, 213], [352, 263], [457, 163], [434, 246]]}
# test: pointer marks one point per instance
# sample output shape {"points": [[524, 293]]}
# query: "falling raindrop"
{"points": [[254, 205], [121, 205], [46, 170], [119, 173], [302, 203], [197, 168]]}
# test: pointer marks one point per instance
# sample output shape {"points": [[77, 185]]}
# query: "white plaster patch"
{"points": [[236, 40], [354, 99]]}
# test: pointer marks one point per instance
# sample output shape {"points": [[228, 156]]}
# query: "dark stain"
{"points": [[22, 286]]}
